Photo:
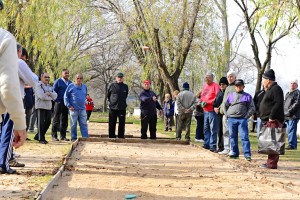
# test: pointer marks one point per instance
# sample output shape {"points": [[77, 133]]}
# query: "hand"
{"points": [[187, 110], [71, 108], [203, 104], [154, 98], [48, 93], [20, 137], [217, 110]]}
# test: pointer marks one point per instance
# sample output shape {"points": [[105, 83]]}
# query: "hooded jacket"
{"points": [[292, 105]]}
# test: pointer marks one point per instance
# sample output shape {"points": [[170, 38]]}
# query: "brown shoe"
{"points": [[14, 163]]}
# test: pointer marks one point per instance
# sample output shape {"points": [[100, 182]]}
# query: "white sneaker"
{"points": [[224, 152], [199, 140], [88, 121]]}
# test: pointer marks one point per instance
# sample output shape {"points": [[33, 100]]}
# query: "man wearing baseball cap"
{"points": [[292, 113], [117, 94], [149, 105]]}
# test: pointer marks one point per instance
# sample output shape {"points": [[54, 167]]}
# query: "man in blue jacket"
{"points": [[148, 106], [117, 94], [74, 100], [60, 118]]}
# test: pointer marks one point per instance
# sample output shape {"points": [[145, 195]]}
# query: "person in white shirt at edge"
{"points": [[10, 101]]}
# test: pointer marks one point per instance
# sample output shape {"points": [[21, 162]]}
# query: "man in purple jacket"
{"points": [[149, 104]]}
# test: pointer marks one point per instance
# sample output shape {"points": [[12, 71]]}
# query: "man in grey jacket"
{"points": [[44, 94], [292, 114], [186, 103]]}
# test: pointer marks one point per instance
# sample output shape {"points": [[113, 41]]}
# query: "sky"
{"points": [[285, 60]]}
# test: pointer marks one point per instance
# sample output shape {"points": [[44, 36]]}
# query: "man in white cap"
{"points": [[292, 113]]}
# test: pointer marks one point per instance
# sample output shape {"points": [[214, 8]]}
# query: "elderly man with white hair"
{"points": [[231, 77], [292, 113]]}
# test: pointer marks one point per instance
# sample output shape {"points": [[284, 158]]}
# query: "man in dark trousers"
{"points": [[271, 108], [117, 95], [61, 112], [149, 104]]}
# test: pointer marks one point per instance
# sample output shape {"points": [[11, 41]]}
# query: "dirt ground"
{"points": [[106, 170]]}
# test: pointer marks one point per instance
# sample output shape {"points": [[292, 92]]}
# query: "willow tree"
{"points": [[58, 34], [164, 28], [270, 21]]}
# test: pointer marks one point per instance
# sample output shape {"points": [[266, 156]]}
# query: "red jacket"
{"points": [[89, 104]]}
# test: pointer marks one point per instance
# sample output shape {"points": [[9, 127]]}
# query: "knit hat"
{"points": [[186, 85], [147, 82], [239, 82], [295, 81], [232, 73], [223, 80], [269, 74]]}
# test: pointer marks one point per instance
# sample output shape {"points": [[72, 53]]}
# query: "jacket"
{"points": [[186, 100], [89, 104], [271, 106], [148, 106], [117, 94], [208, 95], [11, 100], [168, 108], [75, 96], [219, 99], [60, 87], [42, 100], [292, 105], [257, 99], [239, 105], [230, 88]]}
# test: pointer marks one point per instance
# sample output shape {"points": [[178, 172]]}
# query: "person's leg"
{"points": [[28, 113], [41, 124], [152, 126], [166, 123], [258, 125], [88, 112], [64, 121], [292, 133], [188, 120], [272, 161], [112, 121], [226, 137], [48, 115], [6, 141], [233, 132], [213, 124], [220, 133], [197, 135], [32, 120], [244, 134], [144, 126], [176, 122], [179, 127], [122, 119], [56, 120], [171, 122], [73, 119], [207, 133], [83, 123]]}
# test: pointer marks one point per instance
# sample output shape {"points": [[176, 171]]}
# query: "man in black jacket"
{"points": [[117, 95], [271, 108], [292, 113], [149, 104]]}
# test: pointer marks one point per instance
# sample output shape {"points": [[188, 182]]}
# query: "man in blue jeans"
{"points": [[74, 99], [292, 114], [239, 106]]}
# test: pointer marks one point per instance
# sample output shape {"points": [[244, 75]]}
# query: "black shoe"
{"points": [[43, 142], [65, 139], [290, 148], [205, 147], [9, 171], [166, 129], [214, 150], [28, 139], [15, 163], [55, 139], [36, 137], [220, 150]]}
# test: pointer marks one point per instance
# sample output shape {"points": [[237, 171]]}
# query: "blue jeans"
{"points": [[292, 132], [6, 141], [235, 126], [210, 130], [80, 116]]}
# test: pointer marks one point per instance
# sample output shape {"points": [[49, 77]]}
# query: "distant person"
{"points": [[13, 125], [61, 112], [149, 105], [168, 112], [292, 113], [44, 95], [208, 96], [74, 100], [231, 77], [175, 94], [186, 101], [89, 106], [199, 116], [117, 95], [217, 105], [239, 107], [271, 109], [257, 99]]}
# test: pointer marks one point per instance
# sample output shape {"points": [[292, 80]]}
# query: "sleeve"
{"points": [[158, 106], [145, 98], [251, 109], [53, 94], [296, 103], [109, 92], [193, 107], [67, 96], [180, 107], [212, 99], [26, 74], [40, 93], [222, 107], [278, 99], [10, 84], [55, 86]]}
